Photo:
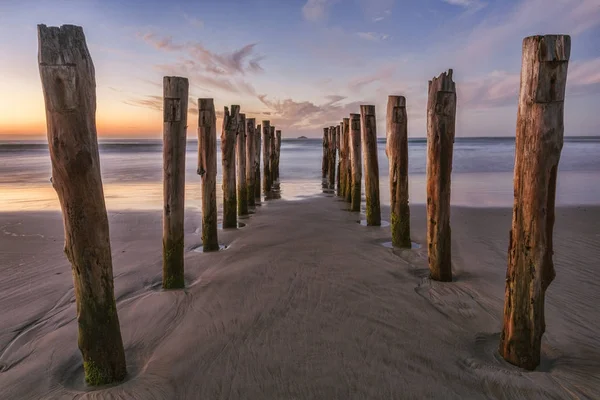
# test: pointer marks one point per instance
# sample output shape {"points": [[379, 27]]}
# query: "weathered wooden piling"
{"points": [[347, 189], [539, 141], [228, 140], [257, 147], [207, 169], [250, 160], [325, 162], [368, 127], [397, 152], [175, 91], [338, 137], [341, 163], [332, 149], [242, 185], [277, 153], [266, 125], [272, 156], [356, 164], [441, 114], [69, 87]]}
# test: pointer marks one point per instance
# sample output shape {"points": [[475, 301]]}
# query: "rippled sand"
{"points": [[305, 303]]}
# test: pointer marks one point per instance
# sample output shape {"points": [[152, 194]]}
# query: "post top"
{"points": [[550, 47]]}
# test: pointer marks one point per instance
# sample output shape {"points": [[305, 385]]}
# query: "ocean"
{"points": [[482, 174]]}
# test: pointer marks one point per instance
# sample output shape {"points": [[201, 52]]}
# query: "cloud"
{"points": [[386, 72], [156, 103], [317, 10], [307, 116], [240, 61], [373, 36], [193, 21]]}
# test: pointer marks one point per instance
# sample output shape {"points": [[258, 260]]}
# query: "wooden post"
{"points": [[250, 160], [272, 155], [228, 139], [355, 159], [441, 114], [277, 153], [257, 146], [332, 148], [207, 169], [347, 192], [341, 163], [325, 162], [68, 84], [266, 125], [397, 153], [338, 138], [539, 142], [175, 91], [368, 127], [242, 196]]}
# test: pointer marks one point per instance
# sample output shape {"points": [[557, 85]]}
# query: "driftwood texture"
{"points": [[69, 87], [325, 163], [441, 114], [242, 195], [250, 160], [347, 190], [266, 126], [397, 152], [539, 141], [207, 169], [257, 147], [368, 127], [174, 138], [356, 163], [332, 150], [228, 139]]}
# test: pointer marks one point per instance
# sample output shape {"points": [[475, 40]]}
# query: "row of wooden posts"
{"points": [[240, 160], [69, 88], [539, 140]]}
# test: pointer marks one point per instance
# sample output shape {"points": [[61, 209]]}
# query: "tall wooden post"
{"points": [[272, 155], [68, 84], [338, 146], [250, 160], [397, 153], [242, 196], [174, 138], [441, 114], [355, 159], [228, 139], [539, 143], [347, 190], [266, 125], [277, 153], [341, 163], [257, 147], [368, 127], [325, 162], [332, 149], [207, 169]]}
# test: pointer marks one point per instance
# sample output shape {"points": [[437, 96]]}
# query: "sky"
{"points": [[302, 64]]}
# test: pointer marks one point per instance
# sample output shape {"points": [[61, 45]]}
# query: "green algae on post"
{"points": [[368, 126], [242, 187], [356, 163], [228, 139]]}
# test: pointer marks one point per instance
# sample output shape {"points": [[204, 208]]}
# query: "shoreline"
{"points": [[305, 303]]}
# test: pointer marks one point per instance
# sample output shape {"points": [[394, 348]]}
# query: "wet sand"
{"points": [[304, 304]]}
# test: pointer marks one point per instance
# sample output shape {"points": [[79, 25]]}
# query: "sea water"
{"points": [[482, 173]]}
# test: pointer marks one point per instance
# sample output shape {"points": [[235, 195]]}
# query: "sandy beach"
{"points": [[304, 304]]}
